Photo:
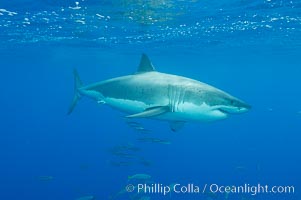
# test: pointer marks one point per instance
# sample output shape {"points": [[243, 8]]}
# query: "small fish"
{"points": [[142, 130], [124, 149], [45, 178], [122, 152], [145, 139], [86, 198], [137, 126], [123, 155], [154, 140], [132, 123], [130, 147], [139, 176], [161, 141]]}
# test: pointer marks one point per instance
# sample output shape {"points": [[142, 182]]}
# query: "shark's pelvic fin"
{"points": [[151, 112], [176, 125], [77, 84], [145, 65]]}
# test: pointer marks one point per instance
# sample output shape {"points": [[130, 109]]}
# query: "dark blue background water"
{"points": [[250, 49]]}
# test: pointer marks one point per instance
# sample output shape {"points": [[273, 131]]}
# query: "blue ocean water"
{"points": [[250, 49]]}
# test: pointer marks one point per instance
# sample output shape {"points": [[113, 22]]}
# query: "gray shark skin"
{"points": [[151, 94]]}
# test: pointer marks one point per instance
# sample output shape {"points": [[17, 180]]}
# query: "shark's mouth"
{"points": [[223, 111], [232, 110]]}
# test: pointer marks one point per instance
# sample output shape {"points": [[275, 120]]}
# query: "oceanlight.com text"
{"points": [[190, 188], [251, 189]]}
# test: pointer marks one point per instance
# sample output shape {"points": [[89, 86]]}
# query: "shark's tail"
{"points": [[77, 84]]}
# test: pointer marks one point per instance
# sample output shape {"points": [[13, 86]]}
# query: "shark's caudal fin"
{"points": [[145, 65], [77, 84]]}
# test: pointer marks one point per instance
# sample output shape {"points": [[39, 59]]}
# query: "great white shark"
{"points": [[151, 94]]}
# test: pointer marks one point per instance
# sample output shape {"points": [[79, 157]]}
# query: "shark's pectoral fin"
{"points": [[151, 112], [176, 125]]}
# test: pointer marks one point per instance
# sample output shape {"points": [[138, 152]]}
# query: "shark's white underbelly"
{"points": [[182, 112], [128, 106]]}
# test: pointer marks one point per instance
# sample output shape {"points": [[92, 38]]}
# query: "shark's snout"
{"points": [[243, 107], [235, 107]]}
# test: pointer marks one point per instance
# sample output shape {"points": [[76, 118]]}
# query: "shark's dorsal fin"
{"points": [[145, 65]]}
